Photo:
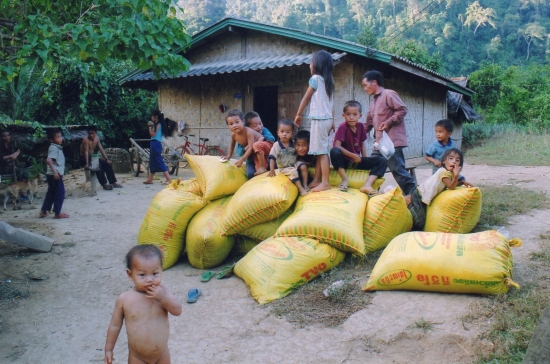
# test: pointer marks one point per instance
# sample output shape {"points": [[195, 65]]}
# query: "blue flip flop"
{"points": [[193, 295]]}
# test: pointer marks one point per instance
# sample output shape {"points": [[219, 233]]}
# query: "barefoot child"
{"points": [[244, 136], [145, 309], [350, 152], [303, 159], [284, 153], [54, 175], [253, 121], [447, 176], [319, 97]]}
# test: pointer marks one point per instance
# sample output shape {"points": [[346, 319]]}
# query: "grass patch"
{"points": [[307, 305], [515, 315], [501, 202], [512, 147], [423, 325]]}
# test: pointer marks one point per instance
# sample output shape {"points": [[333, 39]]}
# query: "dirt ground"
{"points": [[61, 302]]}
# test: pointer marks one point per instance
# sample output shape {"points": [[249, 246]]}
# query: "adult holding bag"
{"points": [[387, 114]]}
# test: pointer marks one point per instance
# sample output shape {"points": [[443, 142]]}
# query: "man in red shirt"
{"points": [[387, 112]]}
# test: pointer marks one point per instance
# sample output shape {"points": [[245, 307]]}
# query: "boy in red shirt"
{"points": [[349, 150]]}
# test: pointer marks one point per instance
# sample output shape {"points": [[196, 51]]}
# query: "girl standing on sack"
{"points": [[157, 128]]}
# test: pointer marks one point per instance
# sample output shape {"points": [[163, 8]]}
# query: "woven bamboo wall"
{"points": [[195, 100]]}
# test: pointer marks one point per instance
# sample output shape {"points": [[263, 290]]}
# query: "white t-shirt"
{"points": [[320, 105], [434, 185]]}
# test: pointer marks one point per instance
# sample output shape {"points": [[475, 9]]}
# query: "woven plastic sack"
{"points": [[386, 217], [244, 244], [454, 211], [277, 266], [266, 229], [356, 178], [216, 179], [438, 262], [332, 217], [206, 247], [189, 185], [259, 200], [166, 221]]}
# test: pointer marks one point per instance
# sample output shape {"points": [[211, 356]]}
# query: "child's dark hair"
{"points": [[165, 130], [91, 128], [249, 116], [373, 76], [446, 123], [302, 135], [353, 103], [234, 112], [322, 64], [451, 151], [51, 133], [287, 122], [145, 251]]}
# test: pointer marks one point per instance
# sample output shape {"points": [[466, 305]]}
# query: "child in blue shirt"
{"points": [[253, 121], [443, 130], [54, 175]]}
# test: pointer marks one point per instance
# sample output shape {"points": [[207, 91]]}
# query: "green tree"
{"points": [[147, 32]]}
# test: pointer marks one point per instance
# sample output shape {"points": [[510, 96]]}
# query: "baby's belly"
{"points": [[148, 341]]}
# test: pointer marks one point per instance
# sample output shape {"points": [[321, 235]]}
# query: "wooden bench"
{"points": [[411, 170]]}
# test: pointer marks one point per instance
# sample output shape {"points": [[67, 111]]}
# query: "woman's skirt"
{"points": [[156, 163]]}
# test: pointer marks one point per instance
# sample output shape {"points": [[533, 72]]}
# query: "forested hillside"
{"points": [[453, 36]]}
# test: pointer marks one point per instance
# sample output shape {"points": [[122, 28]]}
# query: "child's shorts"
{"points": [[291, 173], [318, 140]]}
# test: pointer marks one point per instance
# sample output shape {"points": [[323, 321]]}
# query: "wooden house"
{"points": [[247, 65]]}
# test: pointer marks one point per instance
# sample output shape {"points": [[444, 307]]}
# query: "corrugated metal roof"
{"points": [[341, 45], [238, 65]]}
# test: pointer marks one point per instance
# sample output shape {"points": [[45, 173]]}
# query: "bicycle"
{"points": [[204, 149]]}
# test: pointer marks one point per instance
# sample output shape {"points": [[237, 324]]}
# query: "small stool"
{"points": [[92, 178]]}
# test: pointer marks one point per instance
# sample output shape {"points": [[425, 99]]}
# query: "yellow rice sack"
{"points": [[259, 200], [454, 211], [206, 247], [266, 229], [386, 217], [356, 178], [439, 262], [189, 185], [277, 266], [244, 244], [166, 220], [215, 178], [332, 217]]}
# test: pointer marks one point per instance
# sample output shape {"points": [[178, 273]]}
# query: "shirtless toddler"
{"points": [[244, 136], [145, 309]]}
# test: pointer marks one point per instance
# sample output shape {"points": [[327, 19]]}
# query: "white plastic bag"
{"points": [[385, 146]]}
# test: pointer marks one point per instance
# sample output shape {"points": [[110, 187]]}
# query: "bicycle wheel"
{"points": [[215, 151], [171, 160], [183, 161], [135, 162]]}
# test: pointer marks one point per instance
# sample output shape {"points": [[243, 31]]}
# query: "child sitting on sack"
{"points": [[284, 153], [245, 137], [349, 150], [446, 177], [253, 121]]}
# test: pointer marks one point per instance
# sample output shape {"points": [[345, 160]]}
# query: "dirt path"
{"points": [[73, 289]]}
